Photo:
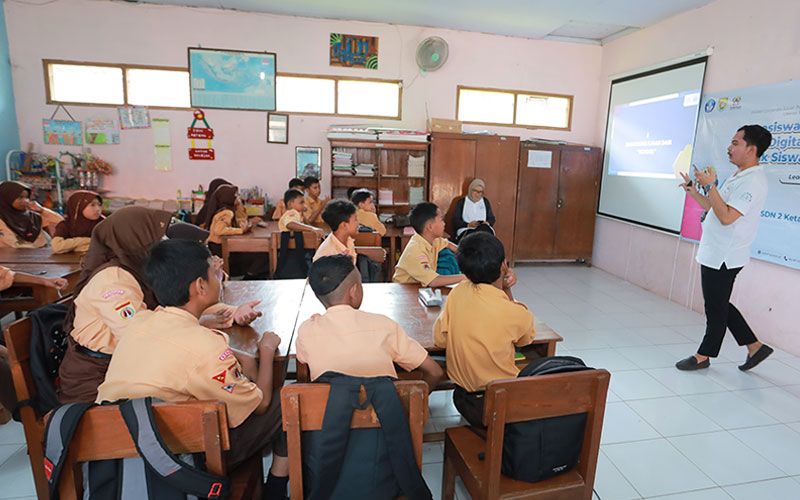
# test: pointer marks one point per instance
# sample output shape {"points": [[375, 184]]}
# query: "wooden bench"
{"points": [[303, 409], [519, 400]]}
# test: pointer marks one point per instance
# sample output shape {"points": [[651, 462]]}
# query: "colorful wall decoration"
{"points": [[354, 51]]}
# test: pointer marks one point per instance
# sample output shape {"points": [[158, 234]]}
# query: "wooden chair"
{"points": [[368, 240], [190, 427], [18, 342], [243, 245], [303, 409], [518, 400], [311, 241]]}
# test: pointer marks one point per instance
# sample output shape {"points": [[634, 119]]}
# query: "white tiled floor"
{"points": [[715, 435]]}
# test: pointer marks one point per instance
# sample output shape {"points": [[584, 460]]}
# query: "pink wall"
{"points": [[753, 45], [145, 34]]}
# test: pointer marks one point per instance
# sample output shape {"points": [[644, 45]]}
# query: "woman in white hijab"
{"points": [[473, 212]]}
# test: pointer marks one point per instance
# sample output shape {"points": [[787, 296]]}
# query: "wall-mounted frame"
{"points": [[232, 79], [309, 161], [278, 128]]}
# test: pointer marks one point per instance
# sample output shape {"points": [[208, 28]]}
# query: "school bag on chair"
{"points": [[156, 474], [292, 263], [539, 449], [48, 346]]}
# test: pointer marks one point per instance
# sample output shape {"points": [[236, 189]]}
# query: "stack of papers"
{"points": [[385, 197], [416, 195], [416, 166], [365, 170]]}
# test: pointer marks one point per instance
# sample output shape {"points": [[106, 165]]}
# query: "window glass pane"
{"points": [[86, 84], [543, 111], [369, 98], [485, 106], [155, 87], [305, 95]]}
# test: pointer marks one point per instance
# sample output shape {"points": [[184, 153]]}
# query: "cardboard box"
{"points": [[444, 125]]}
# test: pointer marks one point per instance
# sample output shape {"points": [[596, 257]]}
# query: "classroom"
{"points": [[453, 249]]}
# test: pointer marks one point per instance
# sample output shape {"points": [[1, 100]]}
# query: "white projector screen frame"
{"points": [[650, 199]]}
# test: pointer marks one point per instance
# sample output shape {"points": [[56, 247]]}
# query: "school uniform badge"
{"points": [[125, 310], [228, 388], [220, 377], [227, 353]]}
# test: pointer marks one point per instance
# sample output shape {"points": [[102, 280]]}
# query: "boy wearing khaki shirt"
{"points": [[292, 219], [481, 324], [340, 216], [170, 356], [352, 342], [314, 204], [367, 213], [418, 262], [280, 207]]}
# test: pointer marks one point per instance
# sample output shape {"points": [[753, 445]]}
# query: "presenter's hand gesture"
{"points": [[687, 184], [706, 177]]}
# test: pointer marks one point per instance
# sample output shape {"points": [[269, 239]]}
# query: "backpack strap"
{"points": [[138, 416], [383, 395], [58, 434]]}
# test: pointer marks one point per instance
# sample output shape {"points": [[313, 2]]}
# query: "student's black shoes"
{"points": [[691, 363], [760, 355]]}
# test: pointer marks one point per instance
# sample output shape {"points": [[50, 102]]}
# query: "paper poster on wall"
{"points": [[232, 79], [309, 161], [101, 131], [540, 159], [776, 108], [163, 144], [354, 51], [134, 117], [64, 132]]}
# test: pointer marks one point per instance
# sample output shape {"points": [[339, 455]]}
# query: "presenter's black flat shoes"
{"points": [[760, 355], [691, 363]]}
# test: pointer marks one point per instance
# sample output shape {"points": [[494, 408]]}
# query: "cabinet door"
{"points": [[577, 201], [537, 195], [496, 163], [452, 165]]}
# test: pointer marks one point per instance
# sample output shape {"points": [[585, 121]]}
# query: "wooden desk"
{"points": [[280, 302], [12, 256], [40, 295], [400, 302]]}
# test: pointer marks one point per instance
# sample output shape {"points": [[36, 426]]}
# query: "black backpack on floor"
{"points": [[292, 262], [540, 449]]}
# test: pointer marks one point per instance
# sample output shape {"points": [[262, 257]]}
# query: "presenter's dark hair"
{"points": [[421, 214], [758, 136], [296, 183], [336, 212], [172, 266], [290, 195], [480, 257]]}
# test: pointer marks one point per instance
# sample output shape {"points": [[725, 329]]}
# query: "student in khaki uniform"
{"points": [[367, 213], [314, 204], [417, 264], [202, 214], [111, 292], [353, 342], [73, 234], [292, 219], [340, 215], [186, 361], [280, 207], [8, 278], [23, 222], [481, 324]]}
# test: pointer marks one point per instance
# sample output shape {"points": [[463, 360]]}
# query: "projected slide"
{"points": [[653, 137]]}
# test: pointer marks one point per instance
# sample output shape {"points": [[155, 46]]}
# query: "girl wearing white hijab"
{"points": [[473, 212]]}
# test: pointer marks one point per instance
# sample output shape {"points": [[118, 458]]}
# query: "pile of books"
{"points": [[373, 133], [342, 163], [364, 170]]}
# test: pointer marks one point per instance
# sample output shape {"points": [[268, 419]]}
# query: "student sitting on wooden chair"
{"points": [[292, 219], [481, 324], [315, 204], [352, 342], [367, 213], [84, 212], [418, 262], [171, 356], [280, 207]]}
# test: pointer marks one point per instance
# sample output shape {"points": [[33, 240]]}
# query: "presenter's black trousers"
{"points": [[721, 315]]}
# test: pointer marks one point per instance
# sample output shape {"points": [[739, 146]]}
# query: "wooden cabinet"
{"points": [[391, 173], [555, 211], [457, 159]]}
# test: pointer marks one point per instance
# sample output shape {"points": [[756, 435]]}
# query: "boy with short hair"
{"points": [[352, 342], [170, 356], [292, 219], [367, 213], [340, 216], [418, 262], [314, 204], [280, 207], [481, 324]]}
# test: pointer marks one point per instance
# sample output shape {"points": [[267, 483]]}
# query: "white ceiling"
{"points": [[579, 20]]}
